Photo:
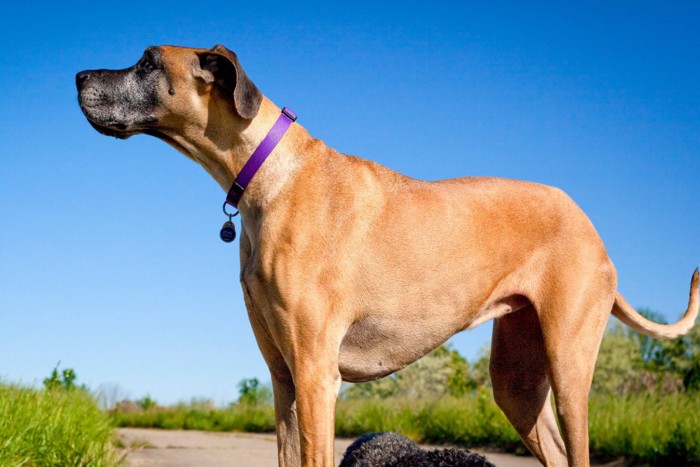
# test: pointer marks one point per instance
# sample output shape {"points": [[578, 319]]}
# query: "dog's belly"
{"points": [[383, 343], [373, 348], [370, 352]]}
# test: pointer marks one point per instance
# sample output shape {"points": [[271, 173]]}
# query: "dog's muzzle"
{"points": [[116, 102]]}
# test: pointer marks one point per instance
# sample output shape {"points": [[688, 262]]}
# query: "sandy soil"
{"points": [[179, 448]]}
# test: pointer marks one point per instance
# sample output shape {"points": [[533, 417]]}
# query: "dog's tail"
{"points": [[628, 315]]}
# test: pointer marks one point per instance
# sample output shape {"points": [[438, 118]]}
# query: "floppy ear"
{"points": [[219, 65]]}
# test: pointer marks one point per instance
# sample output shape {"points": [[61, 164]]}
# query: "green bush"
{"points": [[253, 393], [238, 417], [53, 427]]}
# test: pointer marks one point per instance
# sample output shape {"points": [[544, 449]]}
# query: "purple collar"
{"points": [[284, 121]]}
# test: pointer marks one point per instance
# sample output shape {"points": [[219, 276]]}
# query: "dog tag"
{"points": [[228, 232]]}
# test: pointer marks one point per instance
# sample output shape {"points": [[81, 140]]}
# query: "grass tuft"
{"points": [[53, 427]]}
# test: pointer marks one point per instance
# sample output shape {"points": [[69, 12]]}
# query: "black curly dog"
{"points": [[394, 450]]}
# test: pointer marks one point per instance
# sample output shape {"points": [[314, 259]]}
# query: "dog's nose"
{"points": [[81, 77]]}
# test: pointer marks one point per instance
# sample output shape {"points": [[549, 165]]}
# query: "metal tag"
{"points": [[228, 232]]}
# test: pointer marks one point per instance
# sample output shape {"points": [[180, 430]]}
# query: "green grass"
{"points": [[473, 420], [241, 417], [55, 427], [657, 430]]}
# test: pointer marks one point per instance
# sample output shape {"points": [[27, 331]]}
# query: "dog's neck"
{"points": [[223, 154], [272, 178]]}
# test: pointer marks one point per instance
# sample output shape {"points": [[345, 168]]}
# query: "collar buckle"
{"points": [[289, 113]]}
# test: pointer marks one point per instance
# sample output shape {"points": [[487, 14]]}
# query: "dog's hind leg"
{"points": [[573, 318], [518, 370]]}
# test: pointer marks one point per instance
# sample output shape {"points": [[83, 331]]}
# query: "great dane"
{"points": [[351, 271]]}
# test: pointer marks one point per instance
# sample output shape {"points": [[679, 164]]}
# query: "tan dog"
{"points": [[339, 282]]}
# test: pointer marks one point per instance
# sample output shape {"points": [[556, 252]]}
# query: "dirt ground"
{"points": [[177, 448]]}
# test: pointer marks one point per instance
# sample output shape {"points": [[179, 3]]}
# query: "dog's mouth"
{"points": [[115, 129], [111, 122], [103, 125]]}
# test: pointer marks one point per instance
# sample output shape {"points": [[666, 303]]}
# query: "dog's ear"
{"points": [[219, 65]]}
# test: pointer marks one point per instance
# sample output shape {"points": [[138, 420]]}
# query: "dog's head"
{"points": [[169, 87]]}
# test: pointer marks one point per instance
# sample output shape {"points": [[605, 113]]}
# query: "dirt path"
{"points": [[179, 448]]}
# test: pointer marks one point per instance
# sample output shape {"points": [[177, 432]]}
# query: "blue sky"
{"points": [[110, 260]]}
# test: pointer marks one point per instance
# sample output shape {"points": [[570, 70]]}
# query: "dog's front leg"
{"points": [[287, 426], [317, 382]]}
